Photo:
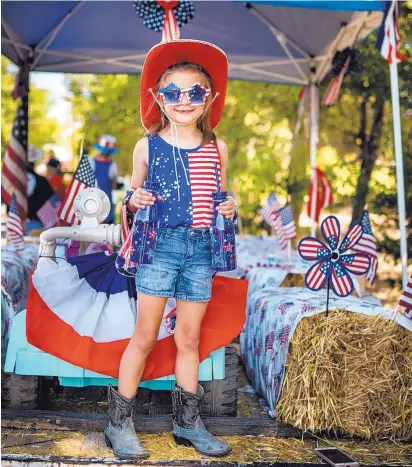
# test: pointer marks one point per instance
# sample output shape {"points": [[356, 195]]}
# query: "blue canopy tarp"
{"points": [[266, 41]]}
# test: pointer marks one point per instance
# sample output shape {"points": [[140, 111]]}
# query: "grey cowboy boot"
{"points": [[188, 428], [120, 434]]}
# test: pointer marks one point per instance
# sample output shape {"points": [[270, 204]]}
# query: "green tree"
{"points": [[42, 129], [108, 104], [360, 122]]}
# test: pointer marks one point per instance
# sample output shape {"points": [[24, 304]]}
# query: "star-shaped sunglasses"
{"points": [[173, 95]]}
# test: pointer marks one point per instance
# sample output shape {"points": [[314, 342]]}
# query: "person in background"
{"points": [[106, 169], [38, 190], [55, 177]]}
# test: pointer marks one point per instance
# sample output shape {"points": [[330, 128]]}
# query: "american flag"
{"points": [[279, 231], [320, 193], [269, 341], [342, 284], [288, 223], [332, 93], [83, 178], [48, 213], [284, 335], [14, 226], [268, 212], [14, 173], [367, 245], [406, 297], [388, 36]]}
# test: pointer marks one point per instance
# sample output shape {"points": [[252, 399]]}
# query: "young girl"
{"points": [[183, 88]]}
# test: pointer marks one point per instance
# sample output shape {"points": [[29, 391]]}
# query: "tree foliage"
{"points": [[42, 129]]}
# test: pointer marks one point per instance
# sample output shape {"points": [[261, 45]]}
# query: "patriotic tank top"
{"points": [[187, 180]]}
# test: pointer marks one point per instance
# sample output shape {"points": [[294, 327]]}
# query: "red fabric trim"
{"points": [[223, 321]]}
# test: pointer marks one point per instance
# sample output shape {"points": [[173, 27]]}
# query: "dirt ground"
{"points": [[245, 449]]}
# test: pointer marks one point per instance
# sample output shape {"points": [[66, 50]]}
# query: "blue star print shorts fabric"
{"points": [[182, 266]]}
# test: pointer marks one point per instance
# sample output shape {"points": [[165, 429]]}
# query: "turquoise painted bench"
{"points": [[25, 359]]}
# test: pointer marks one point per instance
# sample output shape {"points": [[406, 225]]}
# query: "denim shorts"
{"points": [[182, 266]]}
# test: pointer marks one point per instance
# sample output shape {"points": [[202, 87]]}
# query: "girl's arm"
{"points": [[224, 156], [140, 197], [227, 208]]}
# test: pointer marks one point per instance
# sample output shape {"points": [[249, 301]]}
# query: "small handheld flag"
{"points": [[367, 245], [14, 226], [406, 299], [83, 178], [48, 213]]}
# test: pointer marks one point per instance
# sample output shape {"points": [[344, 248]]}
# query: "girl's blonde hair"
{"points": [[203, 123]]}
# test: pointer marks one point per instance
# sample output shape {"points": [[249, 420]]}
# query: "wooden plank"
{"points": [[74, 421]]}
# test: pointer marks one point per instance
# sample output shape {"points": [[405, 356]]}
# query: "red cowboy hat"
{"points": [[163, 55]]}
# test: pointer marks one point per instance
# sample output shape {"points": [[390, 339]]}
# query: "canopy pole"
{"points": [[393, 67], [314, 138]]}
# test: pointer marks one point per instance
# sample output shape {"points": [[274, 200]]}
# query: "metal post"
{"points": [[314, 137], [399, 162]]}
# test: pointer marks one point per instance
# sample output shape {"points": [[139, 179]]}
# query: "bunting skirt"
{"points": [[83, 311]]}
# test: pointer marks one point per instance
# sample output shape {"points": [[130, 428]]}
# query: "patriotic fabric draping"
{"points": [[83, 311]]}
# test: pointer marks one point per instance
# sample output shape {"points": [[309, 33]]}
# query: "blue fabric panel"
{"points": [[99, 271], [331, 5], [112, 29]]}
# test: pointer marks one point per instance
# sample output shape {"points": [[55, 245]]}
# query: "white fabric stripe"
{"points": [[17, 148], [88, 312]]}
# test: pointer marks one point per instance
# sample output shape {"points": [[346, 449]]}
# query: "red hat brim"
{"points": [[166, 54]]}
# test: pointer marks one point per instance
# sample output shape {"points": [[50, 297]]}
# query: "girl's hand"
{"points": [[227, 208], [142, 198]]}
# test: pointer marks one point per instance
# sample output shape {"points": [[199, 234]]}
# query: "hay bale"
{"points": [[349, 373], [293, 280]]}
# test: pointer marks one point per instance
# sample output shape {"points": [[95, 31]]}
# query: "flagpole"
{"points": [[289, 252], [314, 136], [393, 67]]}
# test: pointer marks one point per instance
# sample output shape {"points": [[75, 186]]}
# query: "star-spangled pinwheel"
{"points": [[334, 263]]}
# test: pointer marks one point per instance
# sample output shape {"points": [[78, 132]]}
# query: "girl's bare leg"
{"points": [[188, 427], [144, 338], [187, 333]]}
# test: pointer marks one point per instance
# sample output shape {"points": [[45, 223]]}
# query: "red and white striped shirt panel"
{"points": [[203, 183]]}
